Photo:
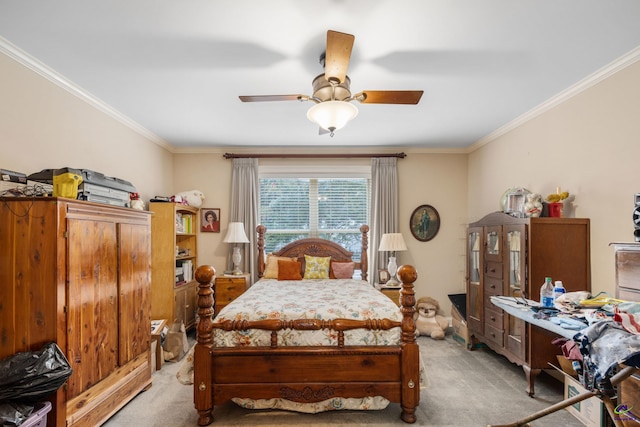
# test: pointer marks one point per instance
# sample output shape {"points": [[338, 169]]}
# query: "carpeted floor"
{"points": [[464, 388]]}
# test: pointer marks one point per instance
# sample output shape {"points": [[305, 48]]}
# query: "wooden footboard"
{"points": [[305, 374]]}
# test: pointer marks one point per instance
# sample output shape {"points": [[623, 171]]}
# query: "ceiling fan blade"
{"points": [[264, 98], [338, 53], [389, 96]]}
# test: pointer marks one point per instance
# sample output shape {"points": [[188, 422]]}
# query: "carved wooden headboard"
{"points": [[316, 247]]}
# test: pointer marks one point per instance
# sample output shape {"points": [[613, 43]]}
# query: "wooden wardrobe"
{"points": [[78, 273], [511, 257]]}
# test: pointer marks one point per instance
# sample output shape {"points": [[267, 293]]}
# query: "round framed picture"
{"points": [[424, 223]]}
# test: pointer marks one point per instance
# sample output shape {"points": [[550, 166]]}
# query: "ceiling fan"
{"points": [[331, 90]]}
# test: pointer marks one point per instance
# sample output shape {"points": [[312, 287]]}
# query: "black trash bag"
{"points": [[29, 377]]}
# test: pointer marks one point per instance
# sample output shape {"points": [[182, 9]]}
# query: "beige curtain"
{"points": [[244, 208], [384, 209]]}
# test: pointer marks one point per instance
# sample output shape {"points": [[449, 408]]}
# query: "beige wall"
{"points": [[588, 146], [44, 126], [211, 174], [439, 180], [436, 179]]}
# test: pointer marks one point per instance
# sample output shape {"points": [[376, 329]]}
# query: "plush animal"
{"points": [[190, 197], [428, 321], [533, 206]]}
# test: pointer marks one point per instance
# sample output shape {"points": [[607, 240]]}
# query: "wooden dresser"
{"points": [[392, 293], [627, 261], [228, 288], [78, 273], [512, 256]]}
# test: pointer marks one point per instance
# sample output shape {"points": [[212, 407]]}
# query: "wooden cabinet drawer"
{"points": [[492, 286], [493, 318], [393, 294], [488, 304], [494, 335], [227, 289], [628, 269], [628, 295], [493, 269]]}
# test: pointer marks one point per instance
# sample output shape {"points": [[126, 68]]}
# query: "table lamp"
{"points": [[236, 234], [392, 242]]}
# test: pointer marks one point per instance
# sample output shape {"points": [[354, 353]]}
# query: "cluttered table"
{"points": [[610, 346]]}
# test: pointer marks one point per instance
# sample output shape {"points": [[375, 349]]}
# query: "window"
{"points": [[332, 208]]}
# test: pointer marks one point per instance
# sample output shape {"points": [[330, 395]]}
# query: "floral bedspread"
{"points": [[309, 299]]}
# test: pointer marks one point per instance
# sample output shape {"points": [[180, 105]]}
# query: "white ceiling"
{"points": [[176, 67]]}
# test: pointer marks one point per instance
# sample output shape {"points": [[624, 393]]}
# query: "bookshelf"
{"points": [[174, 255]]}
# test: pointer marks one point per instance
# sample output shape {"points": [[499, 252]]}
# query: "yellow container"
{"points": [[66, 185]]}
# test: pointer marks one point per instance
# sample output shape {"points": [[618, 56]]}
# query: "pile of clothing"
{"points": [[608, 335]]}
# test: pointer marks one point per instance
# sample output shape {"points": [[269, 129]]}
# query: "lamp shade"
{"points": [[236, 234], [332, 115], [392, 242]]}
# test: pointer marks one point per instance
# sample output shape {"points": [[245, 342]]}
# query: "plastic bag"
{"points": [[176, 344], [29, 377], [14, 414]]}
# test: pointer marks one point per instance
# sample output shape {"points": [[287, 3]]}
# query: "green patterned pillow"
{"points": [[316, 267]]}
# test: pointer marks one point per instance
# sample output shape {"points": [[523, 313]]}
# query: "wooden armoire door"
{"points": [[134, 314], [92, 302]]}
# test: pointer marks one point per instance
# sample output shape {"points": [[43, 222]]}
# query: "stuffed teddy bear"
{"points": [[428, 321]]}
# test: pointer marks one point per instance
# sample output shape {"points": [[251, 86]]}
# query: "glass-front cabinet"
{"points": [[516, 264], [474, 270], [509, 258]]}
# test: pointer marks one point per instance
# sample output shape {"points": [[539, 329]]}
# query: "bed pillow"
{"points": [[271, 268], [289, 270], [342, 270], [316, 267], [331, 273]]}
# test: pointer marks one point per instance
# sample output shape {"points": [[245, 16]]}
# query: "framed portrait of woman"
{"points": [[210, 221]]}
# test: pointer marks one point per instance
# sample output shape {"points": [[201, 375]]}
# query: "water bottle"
{"points": [[546, 293], [558, 289]]}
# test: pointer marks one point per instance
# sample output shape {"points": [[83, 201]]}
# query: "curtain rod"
{"points": [[309, 156]]}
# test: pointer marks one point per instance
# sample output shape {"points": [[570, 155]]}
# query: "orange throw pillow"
{"points": [[271, 269]]}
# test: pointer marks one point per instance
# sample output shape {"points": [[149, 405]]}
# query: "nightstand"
{"points": [[228, 288], [392, 293]]}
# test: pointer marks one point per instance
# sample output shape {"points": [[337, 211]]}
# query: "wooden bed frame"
{"points": [[306, 374]]}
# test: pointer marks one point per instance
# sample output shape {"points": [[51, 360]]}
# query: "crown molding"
{"points": [[603, 73], [59, 80], [15, 53]]}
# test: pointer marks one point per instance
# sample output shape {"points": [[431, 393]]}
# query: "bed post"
{"points": [[202, 394], [364, 262], [261, 229], [410, 391]]}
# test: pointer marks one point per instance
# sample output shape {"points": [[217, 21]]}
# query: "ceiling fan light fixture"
{"points": [[332, 115]]}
